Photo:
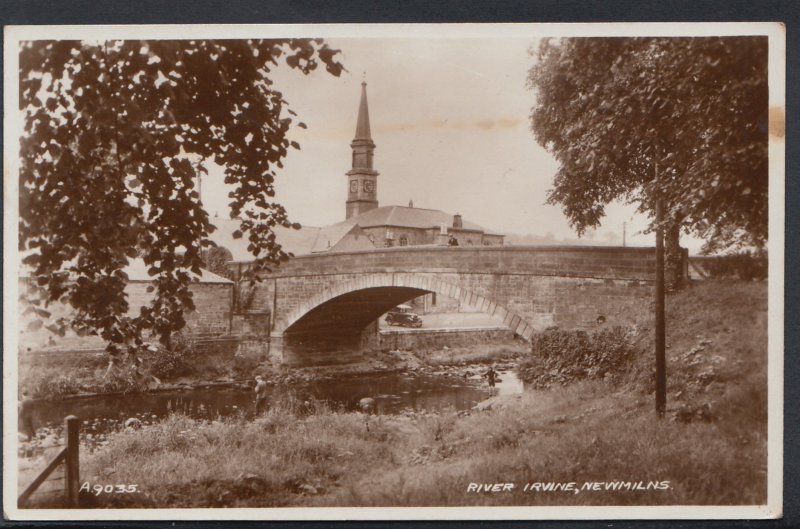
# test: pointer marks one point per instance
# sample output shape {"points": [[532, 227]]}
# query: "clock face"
{"points": [[369, 186], [353, 186]]}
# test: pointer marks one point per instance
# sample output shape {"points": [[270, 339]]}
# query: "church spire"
{"points": [[362, 179], [362, 125]]}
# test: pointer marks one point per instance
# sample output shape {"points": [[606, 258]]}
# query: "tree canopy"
{"points": [[116, 134], [616, 112]]}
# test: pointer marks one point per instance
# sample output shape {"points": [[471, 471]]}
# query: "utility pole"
{"points": [[661, 364], [623, 233]]}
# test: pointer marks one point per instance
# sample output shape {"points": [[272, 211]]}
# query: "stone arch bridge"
{"points": [[329, 303]]}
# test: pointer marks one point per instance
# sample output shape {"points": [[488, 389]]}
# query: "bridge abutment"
{"points": [[275, 350]]}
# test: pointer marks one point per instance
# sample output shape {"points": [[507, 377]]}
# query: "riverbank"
{"points": [[570, 435], [84, 375], [709, 450]]}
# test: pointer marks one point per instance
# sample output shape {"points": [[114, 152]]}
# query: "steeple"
{"points": [[362, 125], [362, 179]]}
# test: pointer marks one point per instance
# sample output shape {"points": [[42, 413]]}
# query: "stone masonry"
{"points": [[530, 288]]}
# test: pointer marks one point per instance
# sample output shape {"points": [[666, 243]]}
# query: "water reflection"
{"points": [[393, 393], [509, 383]]}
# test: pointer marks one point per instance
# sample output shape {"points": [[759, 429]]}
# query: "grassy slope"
{"points": [[588, 431]]}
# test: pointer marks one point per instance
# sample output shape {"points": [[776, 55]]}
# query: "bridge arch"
{"points": [[406, 286]]}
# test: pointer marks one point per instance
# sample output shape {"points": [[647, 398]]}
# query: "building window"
{"points": [[403, 240], [433, 299]]}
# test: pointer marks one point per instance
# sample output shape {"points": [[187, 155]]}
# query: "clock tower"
{"points": [[362, 179]]}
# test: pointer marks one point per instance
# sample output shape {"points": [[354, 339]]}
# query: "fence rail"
{"points": [[69, 457]]}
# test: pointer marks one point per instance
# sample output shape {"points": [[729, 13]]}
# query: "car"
{"points": [[403, 315]]}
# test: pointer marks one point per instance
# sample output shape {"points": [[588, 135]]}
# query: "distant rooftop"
{"points": [[312, 239], [411, 218]]}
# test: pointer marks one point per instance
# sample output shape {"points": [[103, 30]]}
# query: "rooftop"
{"points": [[411, 218], [311, 239]]}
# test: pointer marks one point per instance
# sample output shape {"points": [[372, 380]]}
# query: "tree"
{"points": [[115, 135], [216, 259], [636, 119]]}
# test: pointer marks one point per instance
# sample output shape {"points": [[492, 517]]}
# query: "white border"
{"points": [[13, 128]]}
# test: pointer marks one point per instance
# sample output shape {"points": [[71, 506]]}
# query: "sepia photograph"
{"points": [[393, 271]]}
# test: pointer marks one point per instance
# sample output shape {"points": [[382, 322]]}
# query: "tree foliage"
{"points": [[116, 133], [616, 111], [216, 259]]}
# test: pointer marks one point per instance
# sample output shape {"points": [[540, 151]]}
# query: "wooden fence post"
{"points": [[71, 462]]}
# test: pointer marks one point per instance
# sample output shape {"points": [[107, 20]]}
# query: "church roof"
{"points": [[407, 217], [353, 240], [362, 124], [328, 236]]}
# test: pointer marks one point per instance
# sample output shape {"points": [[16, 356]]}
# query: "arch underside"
{"points": [[340, 322], [338, 318]]}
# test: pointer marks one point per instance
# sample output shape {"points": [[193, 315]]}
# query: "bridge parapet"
{"points": [[590, 262]]}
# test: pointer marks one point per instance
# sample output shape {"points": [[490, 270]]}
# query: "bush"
{"points": [[744, 265], [169, 362], [561, 357], [50, 385]]}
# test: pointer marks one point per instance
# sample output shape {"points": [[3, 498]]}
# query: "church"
{"points": [[367, 225]]}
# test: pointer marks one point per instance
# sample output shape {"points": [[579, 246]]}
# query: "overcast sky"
{"points": [[450, 121]]}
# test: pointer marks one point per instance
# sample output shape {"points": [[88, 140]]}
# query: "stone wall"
{"points": [[434, 303], [212, 317], [430, 339], [429, 236]]}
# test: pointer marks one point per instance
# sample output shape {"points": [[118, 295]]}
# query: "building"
{"points": [[367, 225], [212, 295]]}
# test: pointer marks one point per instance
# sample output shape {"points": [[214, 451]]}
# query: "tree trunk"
{"points": [[674, 259]]}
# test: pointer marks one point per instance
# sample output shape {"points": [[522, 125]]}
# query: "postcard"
{"points": [[394, 271]]}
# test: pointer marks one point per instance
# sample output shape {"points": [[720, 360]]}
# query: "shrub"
{"points": [[169, 362], [561, 357], [51, 385], [743, 265]]}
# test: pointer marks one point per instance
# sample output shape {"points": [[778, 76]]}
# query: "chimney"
{"points": [[411, 203], [457, 221], [442, 238]]}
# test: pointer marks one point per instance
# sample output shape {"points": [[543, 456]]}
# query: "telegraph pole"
{"points": [[624, 225], [661, 364]]}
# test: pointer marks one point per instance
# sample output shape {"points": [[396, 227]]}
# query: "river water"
{"points": [[393, 393]]}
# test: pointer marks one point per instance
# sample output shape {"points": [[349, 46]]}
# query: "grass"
{"points": [[590, 431]]}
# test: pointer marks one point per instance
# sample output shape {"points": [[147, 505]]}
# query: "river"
{"points": [[393, 393]]}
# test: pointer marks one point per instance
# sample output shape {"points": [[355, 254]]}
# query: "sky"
{"points": [[449, 118]]}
